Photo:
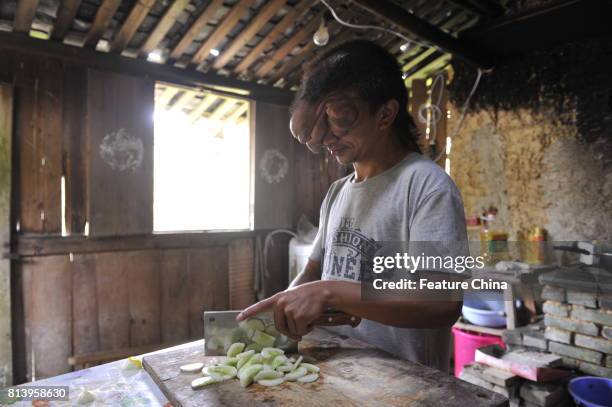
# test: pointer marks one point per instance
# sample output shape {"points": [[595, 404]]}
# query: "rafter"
{"points": [[166, 96], [195, 29], [263, 16], [229, 22], [222, 109], [65, 16], [289, 45], [24, 15], [199, 110], [163, 26], [242, 108], [104, 15], [289, 19], [183, 100], [130, 25]]}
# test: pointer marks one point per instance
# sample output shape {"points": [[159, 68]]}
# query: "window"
{"points": [[202, 153]]}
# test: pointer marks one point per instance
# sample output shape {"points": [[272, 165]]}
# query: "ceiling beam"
{"points": [[242, 108], [130, 25], [199, 110], [289, 45], [163, 26], [222, 109], [104, 15], [138, 67], [262, 17], [183, 100], [289, 19], [480, 7], [229, 21], [166, 96], [195, 29], [395, 14], [24, 15], [65, 16]]}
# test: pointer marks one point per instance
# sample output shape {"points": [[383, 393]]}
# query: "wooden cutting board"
{"points": [[350, 376]]}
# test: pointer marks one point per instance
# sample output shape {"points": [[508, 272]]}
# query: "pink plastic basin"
{"points": [[466, 343]]}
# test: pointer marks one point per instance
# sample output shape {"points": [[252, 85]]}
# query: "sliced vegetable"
{"points": [[256, 324], [297, 363], [246, 376], [310, 367], [245, 354], [271, 330], [279, 360], [254, 346], [230, 362], [271, 352], [192, 367], [263, 339], [271, 382], [203, 381], [285, 368], [235, 349], [296, 374], [309, 378], [220, 372], [267, 375], [256, 359]]}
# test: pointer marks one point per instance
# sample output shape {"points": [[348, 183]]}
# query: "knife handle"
{"points": [[334, 318]]}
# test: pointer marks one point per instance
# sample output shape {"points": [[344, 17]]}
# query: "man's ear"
{"points": [[387, 113]]}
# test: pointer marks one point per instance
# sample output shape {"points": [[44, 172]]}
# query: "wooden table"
{"points": [[352, 374]]}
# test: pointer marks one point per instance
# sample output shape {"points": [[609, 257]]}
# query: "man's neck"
{"points": [[381, 159]]}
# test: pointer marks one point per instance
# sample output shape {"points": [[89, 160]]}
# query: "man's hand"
{"points": [[295, 309]]}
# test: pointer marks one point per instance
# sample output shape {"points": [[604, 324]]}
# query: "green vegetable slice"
{"points": [[263, 339], [279, 360], [235, 349], [202, 381], [267, 375], [309, 378], [245, 354], [271, 382], [256, 359], [285, 368], [271, 352], [310, 367], [192, 367], [220, 372], [247, 375], [254, 346], [296, 374], [230, 362], [297, 363]]}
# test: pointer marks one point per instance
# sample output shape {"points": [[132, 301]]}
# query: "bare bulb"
{"points": [[321, 36]]}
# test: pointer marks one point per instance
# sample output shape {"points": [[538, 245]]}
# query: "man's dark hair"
{"points": [[366, 68]]}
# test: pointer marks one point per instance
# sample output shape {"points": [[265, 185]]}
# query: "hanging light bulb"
{"points": [[321, 36]]}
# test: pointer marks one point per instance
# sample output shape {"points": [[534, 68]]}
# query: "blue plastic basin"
{"points": [[591, 391], [484, 308]]}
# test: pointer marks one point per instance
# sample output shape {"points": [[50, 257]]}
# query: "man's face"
{"points": [[341, 123]]}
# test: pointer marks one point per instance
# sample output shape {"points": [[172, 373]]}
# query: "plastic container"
{"points": [[591, 391], [485, 308], [466, 343]]}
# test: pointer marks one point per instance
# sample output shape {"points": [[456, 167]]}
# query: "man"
{"points": [[352, 101]]}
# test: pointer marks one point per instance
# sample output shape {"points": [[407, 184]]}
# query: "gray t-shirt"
{"points": [[415, 200]]}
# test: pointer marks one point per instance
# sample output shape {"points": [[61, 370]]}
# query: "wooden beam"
{"points": [[37, 245], [137, 67], [289, 19], [222, 109], [130, 25], [195, 29], [182, 101], [229, 22], [65, 16], [104, 15], [244, 107], [166, 96], [262, 17], [163, 26], [24, 15], [199, 110], [398, 16], [288, 46]]}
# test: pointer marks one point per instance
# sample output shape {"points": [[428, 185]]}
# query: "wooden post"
{"points": [[6, 127]]}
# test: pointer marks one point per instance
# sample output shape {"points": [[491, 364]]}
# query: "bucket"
{"points": [[466, 343]]}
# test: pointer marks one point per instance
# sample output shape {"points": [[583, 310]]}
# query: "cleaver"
{"points": [[258, 332]]}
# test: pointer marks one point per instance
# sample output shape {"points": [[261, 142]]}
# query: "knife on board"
{"points": [[221, 330]]}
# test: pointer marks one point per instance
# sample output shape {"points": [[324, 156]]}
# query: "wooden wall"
{"points": [[121, 286]]}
